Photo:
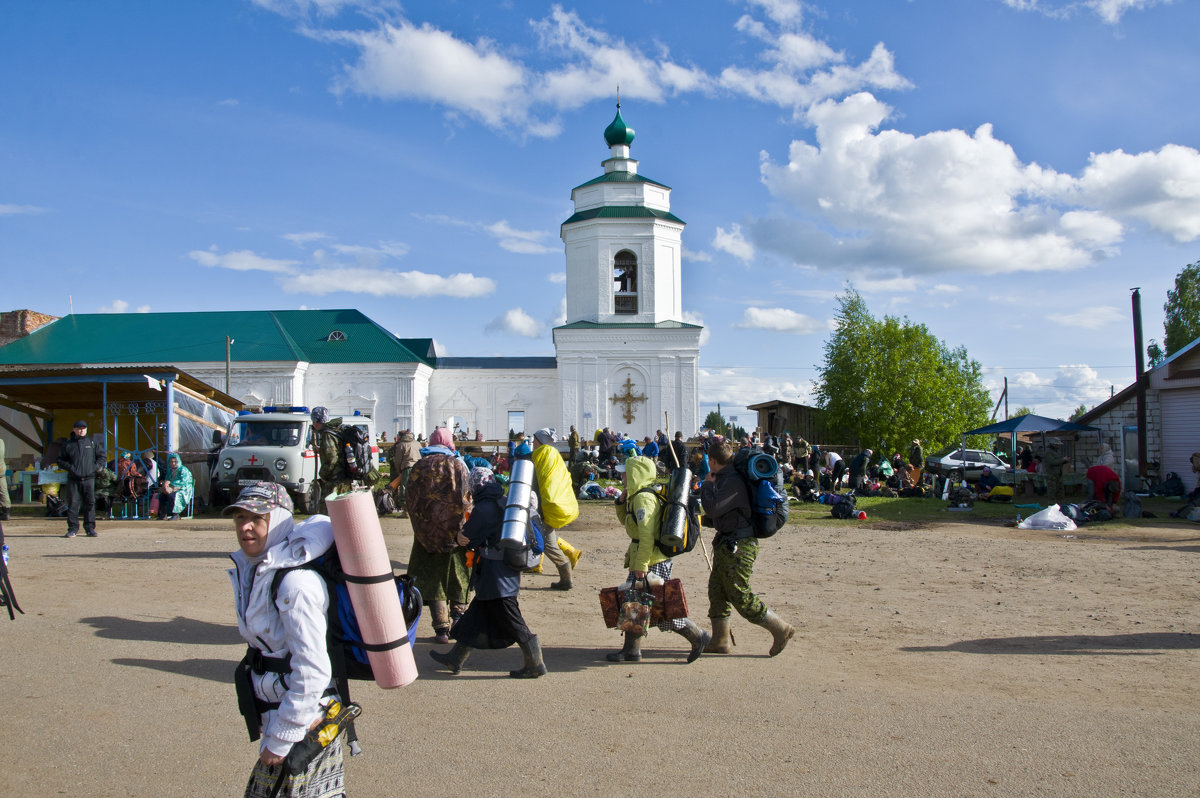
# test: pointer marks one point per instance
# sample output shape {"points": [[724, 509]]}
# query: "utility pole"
{"points": [[228, 343]]}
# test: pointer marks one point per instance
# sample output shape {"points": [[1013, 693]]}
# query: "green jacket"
{"points": [[329, 450], [641, 513]]}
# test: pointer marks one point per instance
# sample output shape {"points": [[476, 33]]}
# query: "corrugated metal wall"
{"points": [[1180, 432]]}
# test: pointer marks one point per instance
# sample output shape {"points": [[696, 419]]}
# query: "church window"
{"points": [[625, 283]]}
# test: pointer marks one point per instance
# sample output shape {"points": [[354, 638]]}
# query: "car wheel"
{"points": [[300, 503]]}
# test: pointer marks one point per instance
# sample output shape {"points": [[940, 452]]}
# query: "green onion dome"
{"points": [[618, 132]]}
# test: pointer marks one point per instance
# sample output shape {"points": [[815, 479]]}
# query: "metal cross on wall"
{"points": [[628, 399]]}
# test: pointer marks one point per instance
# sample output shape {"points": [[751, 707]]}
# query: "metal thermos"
{"points": [[516, 508], [674, 528]]}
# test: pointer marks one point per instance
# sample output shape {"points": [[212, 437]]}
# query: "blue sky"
{"points": [[1003, 171]]}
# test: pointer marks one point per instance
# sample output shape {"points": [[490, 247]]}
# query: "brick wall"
{"points": [[18, 323]]}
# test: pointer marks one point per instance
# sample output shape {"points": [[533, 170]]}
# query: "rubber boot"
{"points": [[722, 638], [780, 630], [454, 658], [696, 636], [564, 578], [631, 652], [534, 667], [439, 616], [573, 554]]}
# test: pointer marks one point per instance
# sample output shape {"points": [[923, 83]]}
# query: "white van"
{"points": [[275, 446]]}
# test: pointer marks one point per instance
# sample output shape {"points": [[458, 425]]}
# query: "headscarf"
{"points": [[479, 477], [442, 437], [544, 435]]}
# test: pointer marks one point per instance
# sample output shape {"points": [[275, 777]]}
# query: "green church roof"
{"points": [[623, 212], [621, 177], [313, 336], [662, 325]]}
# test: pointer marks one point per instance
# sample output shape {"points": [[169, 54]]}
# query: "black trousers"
{"points": [[81, 491]]}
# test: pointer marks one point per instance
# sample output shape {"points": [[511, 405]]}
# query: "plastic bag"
{"points": [[634, 615], [1050, 518]]}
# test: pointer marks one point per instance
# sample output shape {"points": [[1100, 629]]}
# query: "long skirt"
{"points": [[325, 777], [440, 576], [491, 623]]}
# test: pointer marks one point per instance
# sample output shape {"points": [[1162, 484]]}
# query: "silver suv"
{"points": [[275, 447]]}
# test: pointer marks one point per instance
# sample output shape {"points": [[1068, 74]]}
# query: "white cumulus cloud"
{"points": [[242, 260], [781, 320], [516, 321], [121, 306], [1095, 318], [380, 282], [734, 243], [870, 198]]}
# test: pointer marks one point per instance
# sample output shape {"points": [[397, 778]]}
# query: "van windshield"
{"points": [[266, 433]]}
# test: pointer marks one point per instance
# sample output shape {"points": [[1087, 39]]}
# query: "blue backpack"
{"points": [[347, 650], [768, 501]]}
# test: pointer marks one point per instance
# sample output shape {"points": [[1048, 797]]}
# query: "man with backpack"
{"points": [[285, 683], [641, 511], [727, 503], [331, 472]]}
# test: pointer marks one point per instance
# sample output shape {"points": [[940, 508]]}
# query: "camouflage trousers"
{"points": [[1054, 486], [729, 582]]}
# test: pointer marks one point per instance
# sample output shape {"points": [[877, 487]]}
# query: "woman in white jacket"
{"points": [[286, 679]]}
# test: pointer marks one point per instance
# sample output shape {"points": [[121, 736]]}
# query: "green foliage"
{"points": [[1022, 411], [1182, 322], [716, 421], [887, 381], [1079, 411], [1154, 355]]}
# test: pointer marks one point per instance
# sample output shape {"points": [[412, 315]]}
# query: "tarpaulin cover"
{"points": [[559, 506]]}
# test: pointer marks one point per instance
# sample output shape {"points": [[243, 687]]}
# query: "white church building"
{"points": [[623, 358]]}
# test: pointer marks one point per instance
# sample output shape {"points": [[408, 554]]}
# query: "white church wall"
{"points": [[484, 397]]}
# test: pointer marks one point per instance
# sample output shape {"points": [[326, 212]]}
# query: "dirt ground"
{"points": [[949, 659]]}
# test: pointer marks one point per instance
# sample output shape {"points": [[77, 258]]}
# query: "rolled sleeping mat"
{"points": [[762, 465], [674, 528], [372, 588], [516, 506]]}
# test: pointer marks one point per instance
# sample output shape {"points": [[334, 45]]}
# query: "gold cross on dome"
{"points": [[629, 399]]}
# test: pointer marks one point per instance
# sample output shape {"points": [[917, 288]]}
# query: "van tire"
{"points": [[300, 503]]}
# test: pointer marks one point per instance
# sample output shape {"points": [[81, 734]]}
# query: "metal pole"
{"points": [[228, 341], [1140, 377]]}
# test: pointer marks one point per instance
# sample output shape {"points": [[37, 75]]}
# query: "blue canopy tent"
{"points": [[1028, 423]]}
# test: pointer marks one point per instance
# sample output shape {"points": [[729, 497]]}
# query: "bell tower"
{"points": [[623, 244], [624, 334]]}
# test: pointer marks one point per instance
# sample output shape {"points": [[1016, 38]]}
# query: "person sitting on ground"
{"points": [[176, 489], [987, 481]]}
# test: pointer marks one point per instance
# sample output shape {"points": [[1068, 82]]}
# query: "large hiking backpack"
{"points": [[354, 446], [347, 651], [842, 505], [768, 501], [524, 557], [691, 527]]}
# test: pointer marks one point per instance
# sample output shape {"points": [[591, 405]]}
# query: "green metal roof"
{"points": [[259, 335], [621, 177], [662, 325], [623, 212]]}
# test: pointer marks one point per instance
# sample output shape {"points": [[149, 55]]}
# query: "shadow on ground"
{"points": [[175, 630], [213, 670], [1150, 642]]}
